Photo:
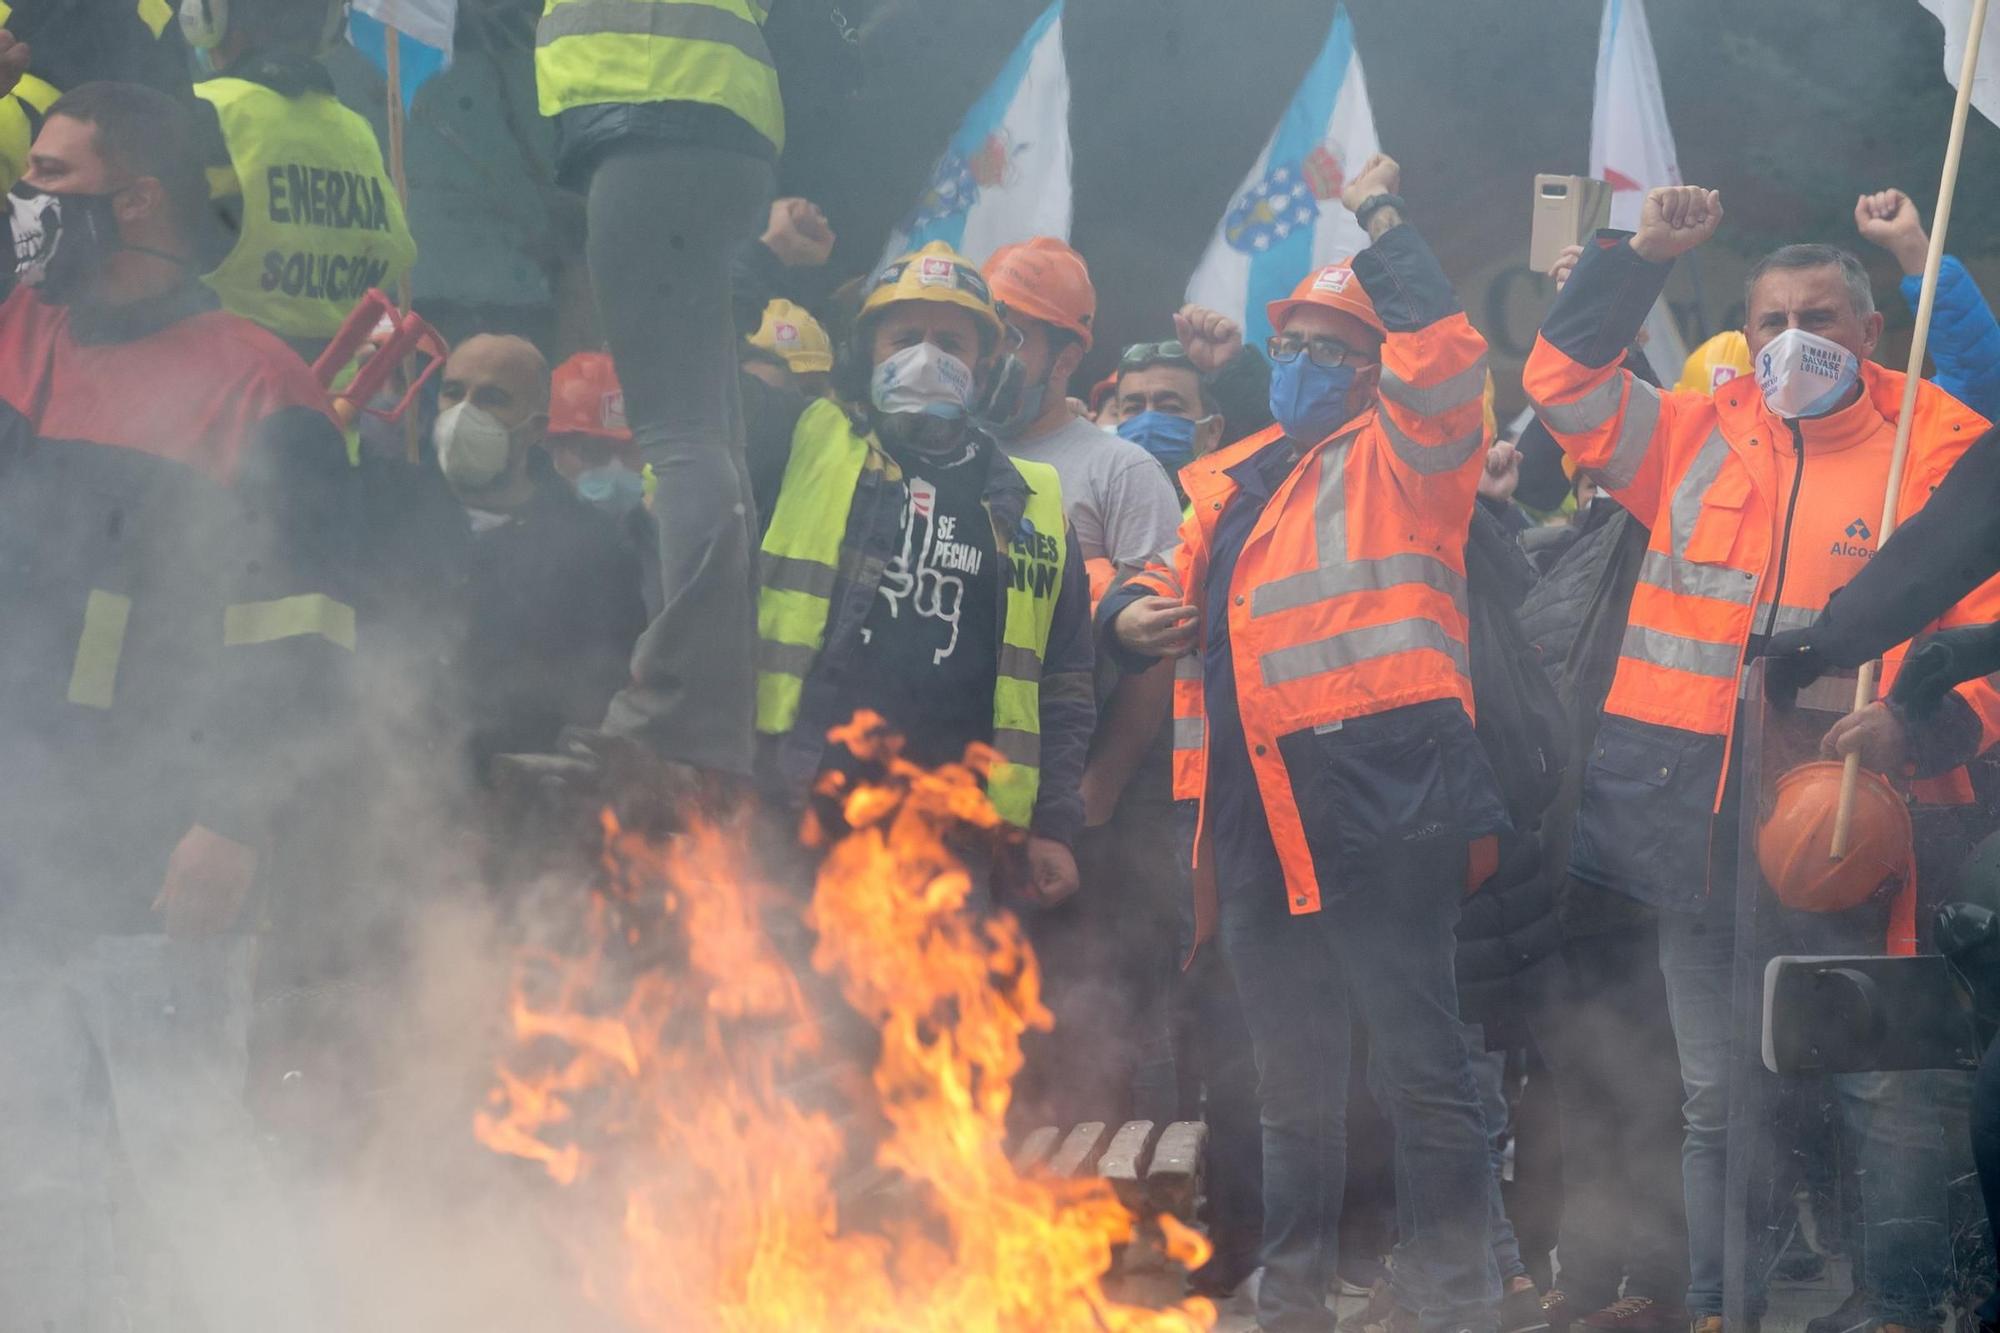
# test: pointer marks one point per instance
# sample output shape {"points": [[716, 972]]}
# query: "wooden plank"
{"points": [[1035, 1149], [1124, 1161], [1173, 1177], [1080, 1150]]}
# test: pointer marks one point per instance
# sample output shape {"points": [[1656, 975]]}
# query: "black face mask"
{"points": [[60, 240]]}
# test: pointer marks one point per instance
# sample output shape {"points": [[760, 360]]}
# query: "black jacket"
{"points": [[552, 608]]}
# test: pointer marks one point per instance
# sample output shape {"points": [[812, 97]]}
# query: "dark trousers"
{"points": [[663, 220], [1107, 958], [1386, 949], [1602, 1028]]}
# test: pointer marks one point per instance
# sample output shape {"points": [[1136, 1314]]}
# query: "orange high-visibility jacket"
{"points": [[1704, 474], [1348, 599]]}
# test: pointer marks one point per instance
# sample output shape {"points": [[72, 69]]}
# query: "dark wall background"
{"points": [[1790, 107]]}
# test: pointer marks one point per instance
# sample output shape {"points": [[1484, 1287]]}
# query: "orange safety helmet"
{"points": [[1795, 840], [584, 398], [1333, 286], [1045, 279]]}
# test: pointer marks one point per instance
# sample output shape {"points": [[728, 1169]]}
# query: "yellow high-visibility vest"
{"points": [[595, 51], [801, 565], [321, 220]]}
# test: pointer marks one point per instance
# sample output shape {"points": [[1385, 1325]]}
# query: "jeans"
{"points": [[1602, 1028], [1890, 1121], [663, 220], [1489, 1072], [1386, 948], [132, 1049]]}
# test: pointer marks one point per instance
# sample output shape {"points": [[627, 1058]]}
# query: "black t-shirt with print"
{"points": [[930, 642]]}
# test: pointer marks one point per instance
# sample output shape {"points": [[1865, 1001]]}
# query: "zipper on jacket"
{"points": [[1785, 535]]}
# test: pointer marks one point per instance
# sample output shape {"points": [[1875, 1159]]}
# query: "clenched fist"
{"points": [[1674, 220], [1887, 218], [1378, 175], [1211, 339]]}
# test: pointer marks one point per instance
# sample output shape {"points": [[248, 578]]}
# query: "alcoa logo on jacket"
{"points": [[1858, 533]]}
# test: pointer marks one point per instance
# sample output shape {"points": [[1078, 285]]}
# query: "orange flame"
{"points": [[669, 1067]]}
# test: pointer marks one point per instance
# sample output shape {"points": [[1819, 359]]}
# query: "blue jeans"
{"points": [[1489, 1072], [1388, 945], [1890, 1120]]}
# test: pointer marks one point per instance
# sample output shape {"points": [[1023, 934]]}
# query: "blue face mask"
{"points": [[612, 488], [1309, 400], [1163, 435]]}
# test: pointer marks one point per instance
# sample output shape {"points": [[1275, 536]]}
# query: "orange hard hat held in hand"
{"points": [[1795, 840]]}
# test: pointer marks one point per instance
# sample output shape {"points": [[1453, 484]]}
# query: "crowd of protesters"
{"points": [[1375, 775]]}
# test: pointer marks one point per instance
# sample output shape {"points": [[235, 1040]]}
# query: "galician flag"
{"points": [[1286, 219], [1632, 148], [1956, 15], [1005, 176], [423, 46]]}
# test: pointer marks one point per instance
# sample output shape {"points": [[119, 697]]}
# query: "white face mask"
{"points": [[472, 446], [923, 379], [1805, 375]]}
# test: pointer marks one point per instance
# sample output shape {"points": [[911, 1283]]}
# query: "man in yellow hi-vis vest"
{"points": [[311, 215], [910, 567], [668, 120]]}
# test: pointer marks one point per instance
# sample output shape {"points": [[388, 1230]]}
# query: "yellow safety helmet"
{"points": [[1715, 363], [935, 273], [791, 334]]}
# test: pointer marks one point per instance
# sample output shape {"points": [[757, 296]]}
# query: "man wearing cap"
{"points": [[1108, 956], [1316, 609], [790, 350], [912, 569]]}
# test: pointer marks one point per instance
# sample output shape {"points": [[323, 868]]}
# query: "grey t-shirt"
{"points": [[1119, 500]]}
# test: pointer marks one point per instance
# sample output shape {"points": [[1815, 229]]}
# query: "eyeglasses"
{"points": [[1140, 355], [1325, 352]]}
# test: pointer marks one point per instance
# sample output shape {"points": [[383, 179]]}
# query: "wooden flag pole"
{"points": [[1864, 688], [392, 61]]}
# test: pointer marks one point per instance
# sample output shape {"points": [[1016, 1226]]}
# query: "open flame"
{"points": [[729, 1166]]}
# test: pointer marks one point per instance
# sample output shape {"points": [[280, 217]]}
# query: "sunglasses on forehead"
{"points": [[1139, 355]]}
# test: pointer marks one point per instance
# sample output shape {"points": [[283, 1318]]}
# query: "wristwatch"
{"points": [[1374, 202]]}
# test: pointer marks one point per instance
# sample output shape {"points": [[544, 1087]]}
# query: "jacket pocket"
{"points": [[1719, 525], [1377, 792], [1648, 802]]}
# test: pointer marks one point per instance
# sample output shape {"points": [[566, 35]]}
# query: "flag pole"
{"points": [[1864, 688], [392, 62]]}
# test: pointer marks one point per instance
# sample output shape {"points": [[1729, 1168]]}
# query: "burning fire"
{"points": [[727, 1168]]}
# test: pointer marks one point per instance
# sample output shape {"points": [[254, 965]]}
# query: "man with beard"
{"points": [[911, 568], [176, 674]]}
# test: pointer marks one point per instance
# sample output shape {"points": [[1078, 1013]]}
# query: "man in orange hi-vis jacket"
{"points": [[1316, 605], [1761, 500]]}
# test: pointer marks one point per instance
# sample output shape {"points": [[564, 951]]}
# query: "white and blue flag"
{"points": [[1005, 176], [424, 44], [1285, 219]]}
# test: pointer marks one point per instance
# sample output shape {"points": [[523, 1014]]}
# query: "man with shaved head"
{"points": [[552, 596]]}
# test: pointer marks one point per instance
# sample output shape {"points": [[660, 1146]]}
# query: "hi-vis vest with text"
{"points": [[321, 221], [589, 52], [801, 565]]}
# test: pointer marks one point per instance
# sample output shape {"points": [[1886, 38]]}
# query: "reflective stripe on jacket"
{"points": [[1348, 600], [803, 554], [321, 220], [710, 51], [1703, 473]]}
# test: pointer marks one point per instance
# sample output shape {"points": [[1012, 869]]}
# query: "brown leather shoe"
{"points": [[1556, 1308], [1637, 1314], [1712, 1323]]}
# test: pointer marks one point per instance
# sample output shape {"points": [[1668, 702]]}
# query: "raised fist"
{"points": [[1674, 220], [1378, 175]]}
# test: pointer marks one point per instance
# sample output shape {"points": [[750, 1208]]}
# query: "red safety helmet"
{"points": [[1046, 280], [1795, 840], [584, 399], [1333, 286]]}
